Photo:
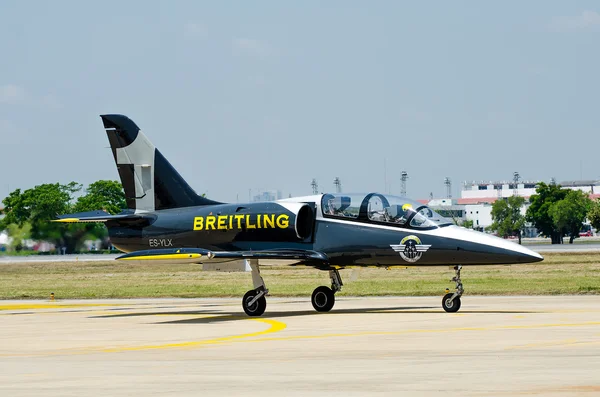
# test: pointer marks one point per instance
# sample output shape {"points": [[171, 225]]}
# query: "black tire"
{"points": [[258, 308], [323, 299], [451, 307]]}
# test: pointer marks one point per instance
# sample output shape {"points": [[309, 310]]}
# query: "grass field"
{"points": [[560, 273]]}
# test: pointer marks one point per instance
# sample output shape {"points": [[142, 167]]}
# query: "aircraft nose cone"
{"points": [[482, 248], [529, 256]]}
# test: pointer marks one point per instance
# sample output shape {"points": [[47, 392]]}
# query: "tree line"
{"points": [[28, 213], [554, 211]]}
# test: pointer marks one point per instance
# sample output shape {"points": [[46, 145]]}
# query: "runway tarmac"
{"points": [[397, 346]]}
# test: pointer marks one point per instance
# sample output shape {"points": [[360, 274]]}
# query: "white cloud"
{"points": [[249, 46], [195, 30], [586, 20], [12, 94]]}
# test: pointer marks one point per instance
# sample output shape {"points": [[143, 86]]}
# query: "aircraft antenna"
{"points": [[338, 184], [448, 184], [315, 186], [403, 179], [516, 179]]}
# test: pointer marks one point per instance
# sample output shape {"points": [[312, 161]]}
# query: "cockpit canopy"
{"points": [[382, 209]]}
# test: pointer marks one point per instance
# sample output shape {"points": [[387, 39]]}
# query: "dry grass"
{"points": [[560, 273]]}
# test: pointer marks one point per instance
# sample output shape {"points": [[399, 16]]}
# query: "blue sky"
{"points": [[245, 95]]}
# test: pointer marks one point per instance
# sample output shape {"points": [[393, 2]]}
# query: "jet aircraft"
{"points": [[166, 221]]}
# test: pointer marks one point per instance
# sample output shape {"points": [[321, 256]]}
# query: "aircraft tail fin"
{"points": [[149, 180]]}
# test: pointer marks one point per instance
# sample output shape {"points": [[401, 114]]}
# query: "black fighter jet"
{"points": [[167, 221]]}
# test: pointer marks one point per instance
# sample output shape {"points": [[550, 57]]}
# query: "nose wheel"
{"points": [[254, 303], [451, 301], [451, 305], [323, 298]]}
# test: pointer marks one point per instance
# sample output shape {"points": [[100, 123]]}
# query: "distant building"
{"points": [[268, 195], [476, 199], [488, 192]]}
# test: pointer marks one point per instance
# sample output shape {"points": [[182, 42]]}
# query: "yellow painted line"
{"points": [[275, 326], [34, 306], [425, 331], [544, 344]]}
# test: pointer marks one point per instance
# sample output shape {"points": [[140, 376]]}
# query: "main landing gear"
{"points": [[323, 298], [451, 301], [254, 301]]}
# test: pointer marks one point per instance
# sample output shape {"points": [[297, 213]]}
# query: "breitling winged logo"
{"points": [[410, 248]]}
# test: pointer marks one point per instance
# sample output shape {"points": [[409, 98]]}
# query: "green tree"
{"points": [[40, 205], [37, 206], [467, 223], [538, 211], [507, 217], [102, 195], [570, 213], [594, 214], [18, 234]]}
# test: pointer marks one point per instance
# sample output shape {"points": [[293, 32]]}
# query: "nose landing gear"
{"points": [[451, 301]]}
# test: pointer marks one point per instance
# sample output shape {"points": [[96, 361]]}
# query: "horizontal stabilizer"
{"points": [[96, 217], [200, 255]]}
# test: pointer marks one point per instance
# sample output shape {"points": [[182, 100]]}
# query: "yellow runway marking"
{"points": [[544, 344], [426, 331], [34, 306], [276, 326]]}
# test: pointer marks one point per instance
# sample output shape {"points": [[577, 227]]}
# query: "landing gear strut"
{"points": [[254, 301], [323, 298], [451, 301]]}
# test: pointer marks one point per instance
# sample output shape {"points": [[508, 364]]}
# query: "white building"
{"points": [[268, 195], [476, 199]]}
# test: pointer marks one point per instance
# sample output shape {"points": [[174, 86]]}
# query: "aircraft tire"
{"points": [[258, 308], [451, 307], [323, 299]]}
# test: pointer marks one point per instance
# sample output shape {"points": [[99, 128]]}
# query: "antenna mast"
{"points": [[338, 184], [448, 184], [403, 179], [315, 186]]}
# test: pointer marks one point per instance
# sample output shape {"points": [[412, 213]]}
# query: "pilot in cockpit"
{"points": [[399, 214]]}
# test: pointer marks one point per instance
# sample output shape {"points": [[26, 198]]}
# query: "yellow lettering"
{"points": [[239, 218], [248, 225], [221, 222], [283, 221], [210, 222], [230, 220], [198, 223], [258, 226], [269, 221]]}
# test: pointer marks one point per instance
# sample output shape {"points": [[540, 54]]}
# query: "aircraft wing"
{"points": [[200, 255]]}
